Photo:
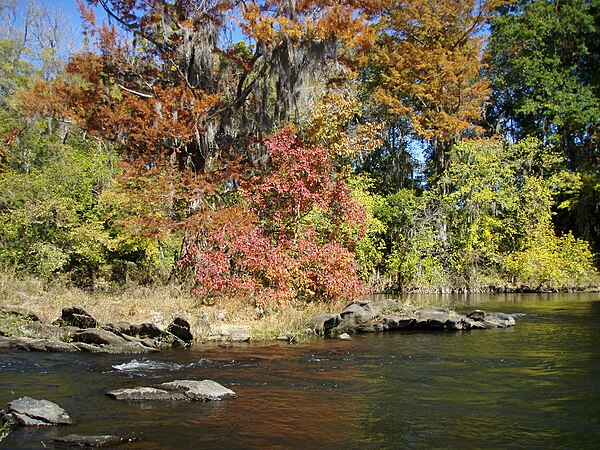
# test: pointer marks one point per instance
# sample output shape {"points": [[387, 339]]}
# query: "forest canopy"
{"points": [[302, 150]]}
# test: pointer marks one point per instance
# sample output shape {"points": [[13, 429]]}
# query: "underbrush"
{"points": [[159, 304]]}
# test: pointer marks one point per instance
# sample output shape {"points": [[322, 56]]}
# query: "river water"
{"points": [[536, 385]]}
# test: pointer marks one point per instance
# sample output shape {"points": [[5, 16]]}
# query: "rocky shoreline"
{"points": [[391, 315], [76, 329]]}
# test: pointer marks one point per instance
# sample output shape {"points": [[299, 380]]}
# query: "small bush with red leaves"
{"points": [[291, 237]]}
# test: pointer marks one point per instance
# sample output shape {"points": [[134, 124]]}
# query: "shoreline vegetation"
{"points": [[165, 165], [161, 303]]}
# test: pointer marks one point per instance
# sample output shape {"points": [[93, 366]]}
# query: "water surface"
{"points": [[536, 385]]}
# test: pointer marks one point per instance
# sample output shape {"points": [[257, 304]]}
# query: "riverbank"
{"points": [[159, 305]]}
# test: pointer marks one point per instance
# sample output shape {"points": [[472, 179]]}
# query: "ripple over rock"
{"points": [[77, 440]]}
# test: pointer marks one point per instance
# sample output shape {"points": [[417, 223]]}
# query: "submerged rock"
{"points": [[205, 390], [77, 440], [28, 411]]}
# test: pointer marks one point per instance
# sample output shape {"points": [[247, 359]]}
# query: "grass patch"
{"points": [[157, 304]]}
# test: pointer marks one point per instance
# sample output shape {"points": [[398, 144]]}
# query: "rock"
{"points": [[457, 322], [206, 390], [394, 322], [121, 329], [288, 337], [97, 336], [478, 314], [98, 340], [364, 316], [344, 337], [28, 411], [146, 329], [181, 328], [145, 393], [22, 313], [36, 345], [78, 317], [361, 310], [168, 340], [499, 320], [321, 324], [239, 335], [77, 440], [474, 324], [431, 318]]}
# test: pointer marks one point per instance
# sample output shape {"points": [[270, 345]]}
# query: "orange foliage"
{"points": [[430, 64]]}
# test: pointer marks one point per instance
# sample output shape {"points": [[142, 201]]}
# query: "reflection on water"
{"points": [[532, 386]]}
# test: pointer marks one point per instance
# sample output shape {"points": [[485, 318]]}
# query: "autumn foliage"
{"points": [[268, 247]]}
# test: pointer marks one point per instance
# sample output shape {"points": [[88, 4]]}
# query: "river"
{"points": [[536, 385]]}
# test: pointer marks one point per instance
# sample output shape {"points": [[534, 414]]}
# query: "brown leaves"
{"points": [[430, 54]]}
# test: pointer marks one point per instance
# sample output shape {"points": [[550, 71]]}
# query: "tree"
{"points": [[499, 223], [427, 68], [543, 63]]}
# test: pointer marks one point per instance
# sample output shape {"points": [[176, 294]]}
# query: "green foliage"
{"points": [[370, 249], [548, 261], [543, 65], [495, 222]]}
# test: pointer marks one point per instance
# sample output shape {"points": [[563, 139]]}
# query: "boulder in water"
{"points": [[29, 411], [205, 390]]}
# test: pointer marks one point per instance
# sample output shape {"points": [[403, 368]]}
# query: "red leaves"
{"points": [[279, 254]]}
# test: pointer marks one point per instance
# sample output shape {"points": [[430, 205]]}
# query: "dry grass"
{"points": [[158, 304]]}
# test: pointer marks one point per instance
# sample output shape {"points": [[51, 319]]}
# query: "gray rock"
{"points": [[98, 340], [288, 337], [478, 314], [145, 393], [168, 340], [77, 440], [345, 337], [206, 390], [239, 335], [78, 317], [499, 320], [97, 336], [362, 310], [28, 411], [36, 345], [394, 322], [181, 328], [474, 324], [431, 318], [146, 329], [121, 329], [457, 322], [20, 312], [321, 324]]}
